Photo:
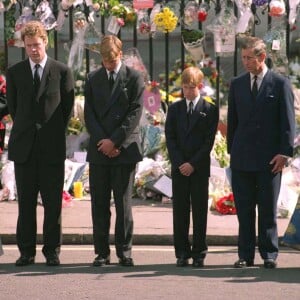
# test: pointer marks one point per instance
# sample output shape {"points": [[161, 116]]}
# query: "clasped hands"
{"points": [[186, 169], [107, 147]]}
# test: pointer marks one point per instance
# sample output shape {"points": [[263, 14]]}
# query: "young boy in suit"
{"points": [[190, 131]]}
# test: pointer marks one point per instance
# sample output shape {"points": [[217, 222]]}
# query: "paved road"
{"points": [[155, 276]]}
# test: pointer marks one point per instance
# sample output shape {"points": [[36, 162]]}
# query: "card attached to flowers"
{"points": [[152, 98], [142, 4], [113, 25]]}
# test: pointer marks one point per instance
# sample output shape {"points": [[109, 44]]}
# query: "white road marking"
{"points": [[135, 248]]}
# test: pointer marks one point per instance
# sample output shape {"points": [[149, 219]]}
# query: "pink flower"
{"points": [[121, 21]]}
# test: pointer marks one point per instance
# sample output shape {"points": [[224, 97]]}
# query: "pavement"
{"points": [[152, 224]]}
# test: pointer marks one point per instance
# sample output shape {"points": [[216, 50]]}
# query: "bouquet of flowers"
{"points": [[219, 151], [124, 14], [225, 205], [165, 20]]}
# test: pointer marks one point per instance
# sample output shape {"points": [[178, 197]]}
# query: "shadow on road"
{"points": [[230, 274]]}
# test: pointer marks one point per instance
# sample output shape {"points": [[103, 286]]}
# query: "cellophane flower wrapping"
{"points": [[76, 52], [44, 13], [26, 16], [190, 14], [148, 171], [245, 15], [293, 11], [224, 29], [131, 58], [143, 25], [275, 39], [92, 38], [277, 8]]}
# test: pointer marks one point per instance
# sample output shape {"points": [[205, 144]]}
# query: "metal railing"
{"points": [[168, 41]]}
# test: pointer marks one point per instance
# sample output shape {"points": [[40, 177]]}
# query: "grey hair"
{"points": [[254, 43]]}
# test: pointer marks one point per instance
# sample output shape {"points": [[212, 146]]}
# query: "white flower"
{"points": [[78, 83]]}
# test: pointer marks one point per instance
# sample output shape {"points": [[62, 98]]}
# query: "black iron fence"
{"points": [[158, 50]]}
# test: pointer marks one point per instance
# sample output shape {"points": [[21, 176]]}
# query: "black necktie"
{"points": [[111, 80], [254, 87], [36, 79], [190, 112]]}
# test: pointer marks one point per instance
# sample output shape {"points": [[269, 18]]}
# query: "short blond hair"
{"points": [[110, 47], [192, 75], [34, 29]]}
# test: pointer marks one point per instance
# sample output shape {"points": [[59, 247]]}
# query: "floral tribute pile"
{"points": [[149, 17]]}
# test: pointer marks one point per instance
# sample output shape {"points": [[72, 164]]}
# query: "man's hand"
{"points": [[186, 169], [114, 153], [105, 146], [278, 163]]}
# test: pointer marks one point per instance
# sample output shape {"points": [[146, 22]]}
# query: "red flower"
{"points": [[11, 42], [2, 85], [154, 84], [202, 14], [225, 205]]}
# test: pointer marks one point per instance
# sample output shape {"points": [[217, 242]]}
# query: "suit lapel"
{"points": [[28, 77], [45, 79], [265, 84], [119, 85], [198, 113], [183, 115]]}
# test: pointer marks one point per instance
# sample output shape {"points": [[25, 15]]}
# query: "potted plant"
{"points": [[193, 43]]}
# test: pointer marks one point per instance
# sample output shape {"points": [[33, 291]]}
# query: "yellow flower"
{"points": [[166, 20], [209, 100]]}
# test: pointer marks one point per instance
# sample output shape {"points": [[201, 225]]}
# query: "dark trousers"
{"points": [[190, 192], [118, 179], [259, 189], [32, 177]]}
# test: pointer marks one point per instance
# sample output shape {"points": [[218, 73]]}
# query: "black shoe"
{"points": [[24, 260], [52, 260], [182, 262], [198, 262], [126, 262], [242, 263], [101, 261], [270, 264]]}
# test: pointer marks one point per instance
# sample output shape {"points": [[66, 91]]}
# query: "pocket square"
{"points": [[271, 97], [202, 114]]}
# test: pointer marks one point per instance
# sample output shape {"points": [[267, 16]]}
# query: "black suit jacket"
{"points": [[114, 115], [259, 129], [191, 143], [56, 94]]}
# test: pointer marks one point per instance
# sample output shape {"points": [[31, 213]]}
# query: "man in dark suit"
{"points": [[261, 128], [113, 107], [40, 97], [190, 132]]}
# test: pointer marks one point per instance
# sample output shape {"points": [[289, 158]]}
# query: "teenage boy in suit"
{"points": [[113, 108], [190, 130], [40, 97]]}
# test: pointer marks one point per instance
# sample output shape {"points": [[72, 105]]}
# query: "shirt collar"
{"points": [[195, 101], [261, 75], [116, 70], [41, 63]]}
